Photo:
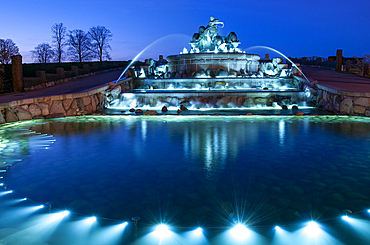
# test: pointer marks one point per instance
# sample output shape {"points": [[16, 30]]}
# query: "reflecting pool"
{"points": [[191, 171]]}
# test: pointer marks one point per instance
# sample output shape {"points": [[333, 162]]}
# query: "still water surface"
{"points": [[190, 171]]}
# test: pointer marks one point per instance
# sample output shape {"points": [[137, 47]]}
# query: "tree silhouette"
{"points": [[59, 33], [79, 46], [100, 37], [7, 50], [43, 53]]}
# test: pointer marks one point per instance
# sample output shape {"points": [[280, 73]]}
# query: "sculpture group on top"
{"points": [[208, 40]]}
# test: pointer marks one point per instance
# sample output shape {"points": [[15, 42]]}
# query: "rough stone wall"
{"points": [[344, 104], [49, 107]]}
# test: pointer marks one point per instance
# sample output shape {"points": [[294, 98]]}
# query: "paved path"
{"points": [[338, 80], [70, 87]]}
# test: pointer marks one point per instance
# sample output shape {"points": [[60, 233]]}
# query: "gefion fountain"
{"points": [[214, 74]]}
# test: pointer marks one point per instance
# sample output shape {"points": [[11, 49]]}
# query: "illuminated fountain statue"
{"points": [[214, 74]]}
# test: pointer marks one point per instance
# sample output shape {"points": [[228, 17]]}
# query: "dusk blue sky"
{"points": [[295, 28]]}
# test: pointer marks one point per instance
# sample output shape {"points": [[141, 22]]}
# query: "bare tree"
{"points": [[59, 33], [7, 50], [100, 37], [43, 53], [79, 46]]}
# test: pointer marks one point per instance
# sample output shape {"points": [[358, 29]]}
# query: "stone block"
{"points": [[23, 114], [362, 101], [346, 107], [2, 119], [94, 101], [336, 107], [329, 107], [73, 105], [80, 104], [44, 108], [87, 100], [71, 112], [10, 115], [67, 103], [35, 110], [88, 109], [359, 109], [57, 107]]}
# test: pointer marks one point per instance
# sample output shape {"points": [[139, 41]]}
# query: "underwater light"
{"points": [[24, 199], [162, 230], [1, 184], [198, 231], [5, 192], [40, 206], [368, 210], [312, 228], [123, 225], [278, 228], [345, 217], [91, 220], [240, 231]]}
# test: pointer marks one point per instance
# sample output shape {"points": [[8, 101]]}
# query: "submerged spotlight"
{"points": [[198, 231], [91, 220], [278, 228], [368, 210], [313, 228], [162, 230], [40, 206], [240, 231], [345, 217], [123, 225]]}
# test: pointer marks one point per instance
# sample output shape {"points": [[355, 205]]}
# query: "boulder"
{"points": [[362, 101], [359, 109], [80, 104], [44, 109], [57, 107], [23, 114], [35, 110], [2, 119], [329, 107], [67, 103], [183, 108], [87, 100], [88, 109], [346, 106], [138, 111], [94, 102], [150, 113], [73, 105], [132, 110], [10, 115]]}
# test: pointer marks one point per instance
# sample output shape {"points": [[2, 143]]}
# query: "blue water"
{"points": [[208, 171]]}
